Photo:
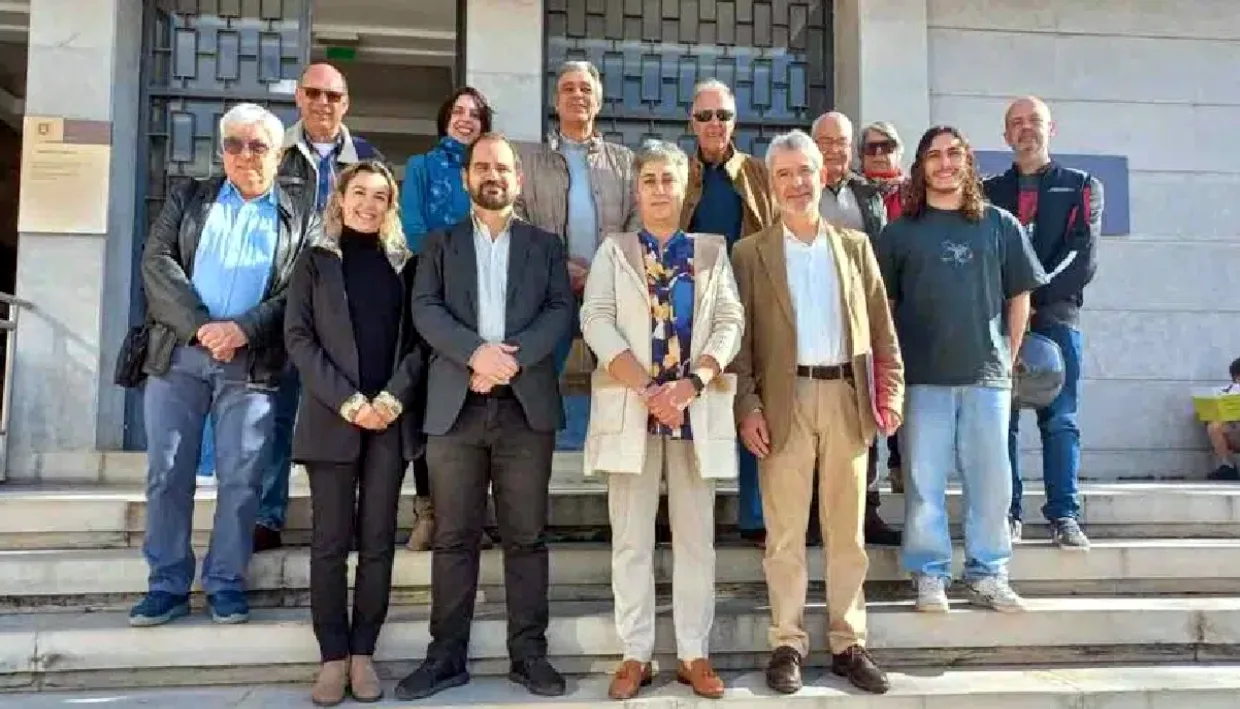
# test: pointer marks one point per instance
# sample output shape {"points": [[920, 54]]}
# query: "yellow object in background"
{"points": [[1214, 405]]}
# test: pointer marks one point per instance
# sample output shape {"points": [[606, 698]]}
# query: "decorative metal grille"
{"points": [[202, 56], [775, 54]]}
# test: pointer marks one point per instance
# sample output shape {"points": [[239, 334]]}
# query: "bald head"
{"points": [[322, 100], [1028, 129], [833, 133]]}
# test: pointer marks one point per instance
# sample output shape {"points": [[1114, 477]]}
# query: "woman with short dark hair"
{"points": [[349, 331], [433, 196]]}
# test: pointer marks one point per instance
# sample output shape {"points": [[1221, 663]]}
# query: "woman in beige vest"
{"points": [[662, 314]]}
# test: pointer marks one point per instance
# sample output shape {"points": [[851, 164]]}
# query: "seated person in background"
{"points": [[1225, 435]]}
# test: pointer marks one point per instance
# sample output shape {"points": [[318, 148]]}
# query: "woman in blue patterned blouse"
{"points": [[662, 315], [433, 196]]}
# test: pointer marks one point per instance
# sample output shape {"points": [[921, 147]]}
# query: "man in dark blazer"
{"points": [[492, 299]]}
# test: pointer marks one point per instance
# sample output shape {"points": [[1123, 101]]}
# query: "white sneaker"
{"points": [[931, 594], [995, 593]]}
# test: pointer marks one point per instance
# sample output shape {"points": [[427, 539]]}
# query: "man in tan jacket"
{"points": [[819, 375]]}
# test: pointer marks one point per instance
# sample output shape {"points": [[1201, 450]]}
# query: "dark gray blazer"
{"points": [[537, 319]]}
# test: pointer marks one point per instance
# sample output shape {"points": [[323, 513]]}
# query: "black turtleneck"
{"points": [[374, 291]]}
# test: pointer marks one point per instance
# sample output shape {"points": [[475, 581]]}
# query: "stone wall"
{"points": [[1159, 83]]}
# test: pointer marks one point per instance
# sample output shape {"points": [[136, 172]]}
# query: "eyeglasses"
{"points": [[314, 94], [236, 146], [723, 114], [880, 147]]}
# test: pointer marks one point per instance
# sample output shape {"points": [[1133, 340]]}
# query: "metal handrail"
{"points": [[8, 326]]}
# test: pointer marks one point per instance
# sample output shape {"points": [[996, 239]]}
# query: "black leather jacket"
{"points": [[174, 312]]}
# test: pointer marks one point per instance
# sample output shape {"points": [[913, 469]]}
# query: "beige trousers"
{"points": [[825, 428], [633, 502]]}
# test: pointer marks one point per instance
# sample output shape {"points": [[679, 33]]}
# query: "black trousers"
{"points": [[421, 477], [358, 498], [491, 443], [872, 498]]}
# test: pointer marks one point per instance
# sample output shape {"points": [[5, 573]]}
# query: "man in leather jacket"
{"points": [[215, 270]]}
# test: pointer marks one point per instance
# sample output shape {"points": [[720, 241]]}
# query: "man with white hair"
{"points": [[819, 375], [728, 194], [853, 202], [215, 270]]}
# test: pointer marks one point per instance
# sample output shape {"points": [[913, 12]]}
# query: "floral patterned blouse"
{"points": [[669, 277]]}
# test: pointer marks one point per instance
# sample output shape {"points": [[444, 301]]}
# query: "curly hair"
{"points": [[973, 203], [390, 230]]}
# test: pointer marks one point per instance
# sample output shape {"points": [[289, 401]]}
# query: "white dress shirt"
{"points": [[814, 285], [492, 259]]}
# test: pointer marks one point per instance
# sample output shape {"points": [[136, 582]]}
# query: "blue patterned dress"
{"points": [[669, 278]]}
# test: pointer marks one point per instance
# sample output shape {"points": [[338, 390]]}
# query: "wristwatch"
{"points": [[698, 384]]}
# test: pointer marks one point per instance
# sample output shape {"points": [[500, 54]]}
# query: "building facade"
{"points": [[1148, 87]]}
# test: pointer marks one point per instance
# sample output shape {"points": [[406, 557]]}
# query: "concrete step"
{"points": [[40, 517], [85, 579], [1049, 687], [85, 650]]}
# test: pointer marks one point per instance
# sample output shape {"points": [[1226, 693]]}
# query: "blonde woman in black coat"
{"points": [[348, 331]]}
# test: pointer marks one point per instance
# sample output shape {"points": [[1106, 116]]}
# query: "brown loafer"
{"points": [[630, 677], [364, 682], [701, 677], [331, 684]]}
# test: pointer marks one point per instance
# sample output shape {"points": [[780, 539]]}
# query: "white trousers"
{"points": [[633, 503]]}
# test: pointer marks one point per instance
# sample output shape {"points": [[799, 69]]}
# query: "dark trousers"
{"points": [[490, 444], [421, 477], [350, 499]]}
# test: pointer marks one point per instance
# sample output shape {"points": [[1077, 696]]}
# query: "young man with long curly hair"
{"points": [[958, 273]]}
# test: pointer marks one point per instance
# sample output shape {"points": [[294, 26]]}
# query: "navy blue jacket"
{"points": [[1068, 221]]}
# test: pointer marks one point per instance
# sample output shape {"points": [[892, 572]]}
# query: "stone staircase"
{"points": [[1149, 617]]}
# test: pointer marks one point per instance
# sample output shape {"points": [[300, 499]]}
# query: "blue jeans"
{"points": [[945, 429], [576, 406], [1061, 436], [195, 388], [749, 514], [273, 501]]}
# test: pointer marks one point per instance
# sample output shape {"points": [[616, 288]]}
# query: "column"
{"points": [[882, 64], [504, 60], [63, 400]]}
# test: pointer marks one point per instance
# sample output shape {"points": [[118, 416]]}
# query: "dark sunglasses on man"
{"points": [[236, 146], [315, 94], [880, 147], [723, 114]]}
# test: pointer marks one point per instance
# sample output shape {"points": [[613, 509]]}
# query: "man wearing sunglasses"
{"points": [[315, 149], [728, 194], [215, 270], [852, 202]]}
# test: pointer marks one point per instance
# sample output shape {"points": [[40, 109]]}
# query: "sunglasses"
{"points": [[314, 94], [723, 114], [236, 146], [881, 147]]}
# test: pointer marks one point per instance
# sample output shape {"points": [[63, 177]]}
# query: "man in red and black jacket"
{"points": [[1061, 209]]}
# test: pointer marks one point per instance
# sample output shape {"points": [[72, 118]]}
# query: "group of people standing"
{"points": [[761, 318]]}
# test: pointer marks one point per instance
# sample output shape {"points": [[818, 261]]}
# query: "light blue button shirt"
{"points": [[236, 251], [582, 233]]}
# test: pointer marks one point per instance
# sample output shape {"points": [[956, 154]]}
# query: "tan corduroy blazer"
{"points": [[615, 316], [766, 365]]}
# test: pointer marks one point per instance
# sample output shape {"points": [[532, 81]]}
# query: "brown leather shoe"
{"points": [[364, 682], [858, 667], [423, 534], [630, 677], [701, 677], [331, 684], [783, 672]]}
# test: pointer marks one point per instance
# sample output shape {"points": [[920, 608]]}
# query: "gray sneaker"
{"points": [[931, 594], [1068, 535], [994, 592], [1015, 529]]}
